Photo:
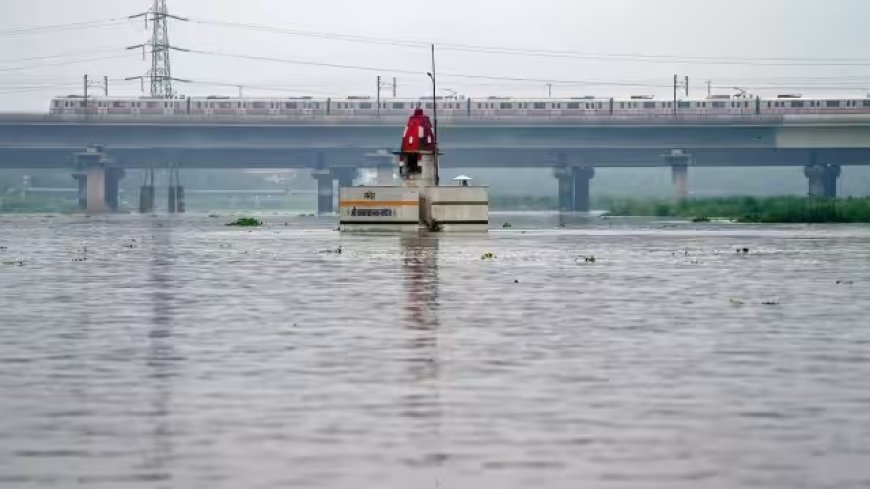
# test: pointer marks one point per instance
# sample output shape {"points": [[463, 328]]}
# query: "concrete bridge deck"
{"points": [[335, 145]]}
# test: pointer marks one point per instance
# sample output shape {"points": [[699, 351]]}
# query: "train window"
{"points": [[867, 103], [649, 105], [622, 105], [505, 105], [117, 105], [832, 103], [575, 105], [684, 105], [718, 105], [539, 105], [365, 105], [600, 105], [259, 105], [797, 103], [398, 105], [289, 105]]}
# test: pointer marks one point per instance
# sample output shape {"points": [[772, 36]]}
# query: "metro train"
{"points": [[451, 108]]}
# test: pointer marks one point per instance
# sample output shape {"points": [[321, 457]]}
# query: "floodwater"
{"points": [[176, 352]]}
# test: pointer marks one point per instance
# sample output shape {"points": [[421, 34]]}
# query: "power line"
{"points": [[62, 63], [548, 53], [411, 72], [60, 27], [65, 55], [271, 88], [39, 88]]}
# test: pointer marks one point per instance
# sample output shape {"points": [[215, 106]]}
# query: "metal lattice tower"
{"points": [[160, 74]]}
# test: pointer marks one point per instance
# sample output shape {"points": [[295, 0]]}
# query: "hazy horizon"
{"points": [[616, 42]]}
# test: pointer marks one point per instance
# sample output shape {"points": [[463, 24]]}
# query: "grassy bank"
{"points": [[747, 209], [17, 204], [522, 203]]}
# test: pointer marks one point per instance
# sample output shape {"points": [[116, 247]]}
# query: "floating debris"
{"points": [[736, 302], [586, 259], [213, 215], [701, 219], [14, 263], [336, 251], [487, 256], [506, 225], [845, 282], [770, 303], [516, 281], [246, 222], [744, 251]]}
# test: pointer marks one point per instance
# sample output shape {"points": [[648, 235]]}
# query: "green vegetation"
{"points": [[19, 204], [246, 221], [747, 209], [522, 202]]}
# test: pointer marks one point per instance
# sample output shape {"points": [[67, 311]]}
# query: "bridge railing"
{"points": [[457, 119]]}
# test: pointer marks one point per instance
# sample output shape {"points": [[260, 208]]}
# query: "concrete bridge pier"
{"points": [[581, 175], [113, 180], [82, 180], [384, 175], [383, 162], [679, 162], [344, 175], [92, 166], [146, 193], [565, 178], [175, 192], [324, 191], [822, 180], [680, 180]]}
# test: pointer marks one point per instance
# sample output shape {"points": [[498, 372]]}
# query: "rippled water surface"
{"points": [[180, 353]]}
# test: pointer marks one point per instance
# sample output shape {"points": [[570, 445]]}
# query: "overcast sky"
{"points": [[742, 29]]}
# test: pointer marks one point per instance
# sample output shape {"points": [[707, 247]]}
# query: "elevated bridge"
{"points": [[335, 147]]}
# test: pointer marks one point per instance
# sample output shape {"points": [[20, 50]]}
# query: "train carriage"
{"points": [[451, 107]]}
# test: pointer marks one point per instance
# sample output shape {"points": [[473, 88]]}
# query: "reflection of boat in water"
{"points": [[419, 203]]}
